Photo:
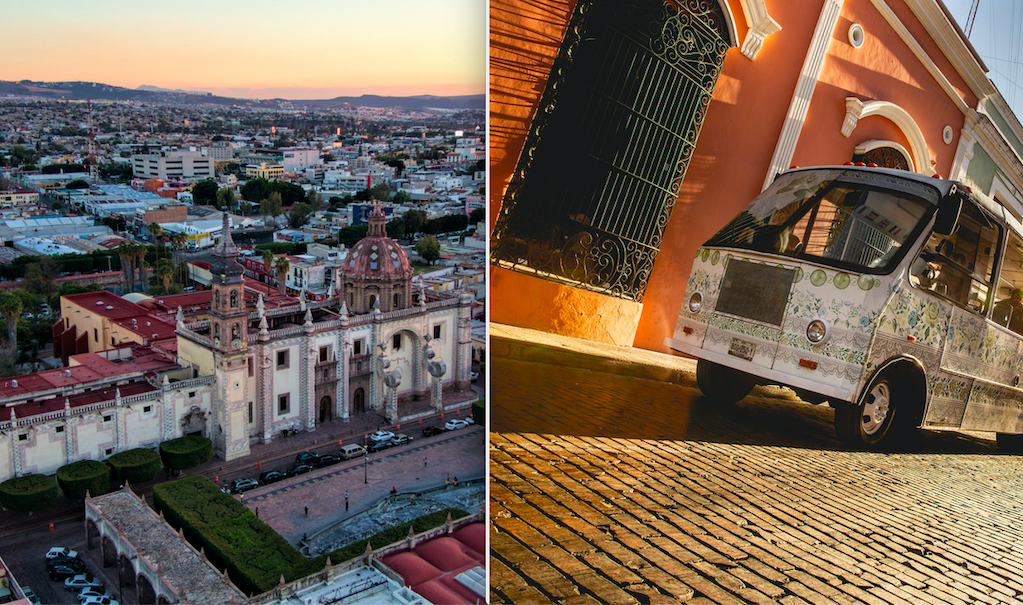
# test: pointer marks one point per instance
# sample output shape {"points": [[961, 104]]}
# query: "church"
{"points": [[377, 342], [244, 371]]}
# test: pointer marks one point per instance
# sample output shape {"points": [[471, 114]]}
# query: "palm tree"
{"points": [[124, 251], [157, 231], [140, 257], [268, 260], [165, 271], [11, 307], [281, 265], [179, 241]]}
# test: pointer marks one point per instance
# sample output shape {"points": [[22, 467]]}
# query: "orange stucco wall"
{"points": [[731, 160]]}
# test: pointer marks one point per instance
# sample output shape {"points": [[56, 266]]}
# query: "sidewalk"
{"points": [[456, 404]]}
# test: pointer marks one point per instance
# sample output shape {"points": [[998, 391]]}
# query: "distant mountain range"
{"points": [[151, 94]]}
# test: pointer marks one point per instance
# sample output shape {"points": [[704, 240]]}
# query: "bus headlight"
{"points": [[695, 302], [817, 332]]}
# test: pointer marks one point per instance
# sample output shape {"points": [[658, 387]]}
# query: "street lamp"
{"points": [[365, 461]]}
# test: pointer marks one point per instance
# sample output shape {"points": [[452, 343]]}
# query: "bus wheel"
{"points": [[722, 384], [1009, 443], [871, 420]]}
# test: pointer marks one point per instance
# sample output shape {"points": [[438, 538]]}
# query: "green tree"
{"points": [[327, 158], [225, 198], [204, 193], [256, 189], [402, 197], [77, 184], [271, 206], [299, 215], [28, 493], [244, 208], [281, 266], [477, 215], [315, 200], [39, 278], [381, 192], [267, 256], [428, 247], [396, 228], [415, 220], [164, 272], [11, 307]]}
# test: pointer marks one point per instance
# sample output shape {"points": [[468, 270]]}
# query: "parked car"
{"points": [[61, 572], [381, 436], [401, 439], [100, 601], [299, 469], [307, 457], [82, 580], [474, 376], [430, 431], [66, 562], [376, 446], [30, 595], [87, 593], [327, 460], [61, 551], [454, 424], [268, 477], [352, 451], [243, 485]]}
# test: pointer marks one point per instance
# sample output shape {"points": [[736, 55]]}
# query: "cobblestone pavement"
{"points": [[614, 481]]}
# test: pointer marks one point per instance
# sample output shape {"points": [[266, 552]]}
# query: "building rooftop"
{"points": [[433, 567], [106, 304]]}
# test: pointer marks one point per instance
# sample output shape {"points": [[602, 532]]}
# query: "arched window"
{"points": [[216, 296], [216, 330], [234, 331], [397, 300], [372, 300], [234, 299], [885, 157], [610, 143]]}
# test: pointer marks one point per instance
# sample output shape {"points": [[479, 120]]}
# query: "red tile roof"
{"points": [[430, 568]]}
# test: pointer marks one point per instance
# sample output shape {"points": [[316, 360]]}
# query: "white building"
{"points": [[297, 159], [173, 165]]}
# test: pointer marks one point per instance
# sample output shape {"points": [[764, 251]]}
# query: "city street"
{"points": [[615, 481]]}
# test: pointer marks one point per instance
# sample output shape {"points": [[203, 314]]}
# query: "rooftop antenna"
{"points": [[971, 17]]}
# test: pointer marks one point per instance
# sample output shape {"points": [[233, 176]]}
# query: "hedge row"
{"points": [[28, 493], [134, 466], [479, 414], [186, 452], [254, 554], [85, 476]]}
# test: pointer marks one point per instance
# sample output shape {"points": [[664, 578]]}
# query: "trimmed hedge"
{"points": [[392, 535], [254, 554], [134, 466], [479, 413], [28, 493], [84, 476], [186, 452]]}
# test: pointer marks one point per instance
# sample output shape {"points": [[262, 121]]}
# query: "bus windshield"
{"points": [[846, 219]]}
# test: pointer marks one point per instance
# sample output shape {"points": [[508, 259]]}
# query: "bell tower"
{"points": [[228, 315], [228, 328]]}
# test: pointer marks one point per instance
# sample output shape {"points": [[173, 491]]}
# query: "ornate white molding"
{"points": [[872, 144], [964, 151], [801, 96], [855, 110], [899, 28], [761, 25]]}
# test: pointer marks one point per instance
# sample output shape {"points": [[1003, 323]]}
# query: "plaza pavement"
{"points": [[614, 481]]}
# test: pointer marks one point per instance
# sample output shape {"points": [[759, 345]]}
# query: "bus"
{"points": [[894, 297]]}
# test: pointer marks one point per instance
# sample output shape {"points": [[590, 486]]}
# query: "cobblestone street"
{"points": [[614, 481]]}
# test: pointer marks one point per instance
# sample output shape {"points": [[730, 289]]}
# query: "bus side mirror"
{"points": [[948, 214]]}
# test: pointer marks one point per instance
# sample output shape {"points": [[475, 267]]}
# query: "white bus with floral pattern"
{"points": [[893, 296]]}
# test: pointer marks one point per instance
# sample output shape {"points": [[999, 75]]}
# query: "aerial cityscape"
{"points": [[244, 330]]}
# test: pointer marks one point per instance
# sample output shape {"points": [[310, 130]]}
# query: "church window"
{"points": [[248, 362], [216, 330], [372, 300], [107, 418], [250, 412], [396, 342], [282, 359], [357, 347], [23, 437], [217, 296], [147, 409], [59, 429], [283, 403], [234, 331], [108, 452], [436, 331], [234, 298], [397, 301], [610, 143], [324, 351], [95, 334]]}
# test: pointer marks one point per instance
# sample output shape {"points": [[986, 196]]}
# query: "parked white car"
{"points": [[454, 424], [381, 436], [61, 551]]}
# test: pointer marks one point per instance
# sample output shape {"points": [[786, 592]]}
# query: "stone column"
{"points": [[341, 403]]}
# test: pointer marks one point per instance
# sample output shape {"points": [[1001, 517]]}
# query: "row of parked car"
{"points": [[62, 563], [307, 461]]}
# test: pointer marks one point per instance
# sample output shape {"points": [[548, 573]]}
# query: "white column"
{"points": [[964, 151], [801, 96]]}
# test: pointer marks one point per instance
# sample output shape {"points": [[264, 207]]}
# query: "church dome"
{"points": [[376, 256]]}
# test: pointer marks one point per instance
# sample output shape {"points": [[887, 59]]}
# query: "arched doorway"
{"points": [[91, 532], [125, 572], [109, 551], [146, 593], [885, 157], [326, 410], [359, 401]]}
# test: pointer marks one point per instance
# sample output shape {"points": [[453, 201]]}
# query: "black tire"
{"points": [[1009, 443], [722, 384], [880, 416]]}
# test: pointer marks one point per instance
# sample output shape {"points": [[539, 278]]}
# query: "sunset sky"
{"points": [[253, 48]]}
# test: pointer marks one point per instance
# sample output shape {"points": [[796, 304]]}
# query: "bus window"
{"points": [[1008, 311], [960, 266]]}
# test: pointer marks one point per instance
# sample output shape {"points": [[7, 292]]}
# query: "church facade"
{"points": [[373, 345]]}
